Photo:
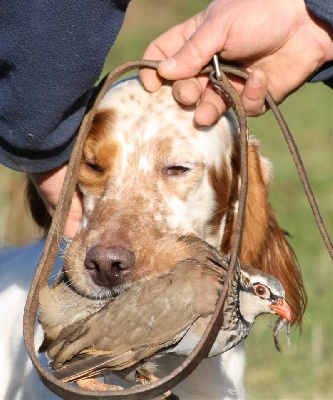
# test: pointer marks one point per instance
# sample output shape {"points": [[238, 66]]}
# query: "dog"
{"points": [[149, 175]]}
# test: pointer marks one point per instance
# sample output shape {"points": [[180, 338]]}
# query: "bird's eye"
{"points": [[176, 170], [261, 291]]}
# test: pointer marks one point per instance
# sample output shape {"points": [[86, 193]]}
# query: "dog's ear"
{"points": [[264, 243], [37, 207]]}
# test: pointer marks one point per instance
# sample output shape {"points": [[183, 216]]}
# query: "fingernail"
{"points": [[168, 64], [256, 80]]}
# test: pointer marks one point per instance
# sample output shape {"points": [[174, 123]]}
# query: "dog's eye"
{"points": [[176, 170], [94, 167]]}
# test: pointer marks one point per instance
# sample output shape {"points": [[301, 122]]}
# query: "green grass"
{"points": [[305, 371]]}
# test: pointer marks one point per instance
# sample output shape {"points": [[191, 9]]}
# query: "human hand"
{"points": [[48, 185], [279, 43]]}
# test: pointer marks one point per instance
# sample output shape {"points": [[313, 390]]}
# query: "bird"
{"points": [[86, 338]]}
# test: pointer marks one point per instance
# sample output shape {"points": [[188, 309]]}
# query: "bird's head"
{"points": [[261, 293]]}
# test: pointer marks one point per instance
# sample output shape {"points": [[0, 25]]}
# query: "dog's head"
{"points": [[149, 175]]}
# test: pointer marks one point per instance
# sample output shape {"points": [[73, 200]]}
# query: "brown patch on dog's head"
{"points": [[98, 153]]}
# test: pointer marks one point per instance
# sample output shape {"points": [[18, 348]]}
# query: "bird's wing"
{"points": [[99, 362], [153, 315], [204, 252]]}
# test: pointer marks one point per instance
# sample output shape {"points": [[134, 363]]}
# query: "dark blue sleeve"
{"points": [[323, 9], [51, 54]]}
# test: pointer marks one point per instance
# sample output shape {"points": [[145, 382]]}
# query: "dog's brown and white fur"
{"points": [[149, 175]]}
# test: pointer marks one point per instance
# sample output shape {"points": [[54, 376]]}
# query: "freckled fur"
{"points": [[136, 136]]}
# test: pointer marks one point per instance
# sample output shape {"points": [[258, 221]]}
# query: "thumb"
{"points": [[189, 60]]}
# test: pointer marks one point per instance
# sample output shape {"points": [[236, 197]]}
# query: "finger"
{"points": [[161, 48], [210, 108], [196, 52], [150, 78], [74, 215], [187, 92], [254, 93]]}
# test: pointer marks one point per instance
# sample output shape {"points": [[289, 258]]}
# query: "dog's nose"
{"points": [[109, 266]]}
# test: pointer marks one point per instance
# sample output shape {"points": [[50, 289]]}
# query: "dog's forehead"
{"points": [[156, 118], [131, 94], [146, 113]]}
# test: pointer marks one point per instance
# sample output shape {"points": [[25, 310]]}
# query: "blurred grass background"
{"points": [[305, 371]]}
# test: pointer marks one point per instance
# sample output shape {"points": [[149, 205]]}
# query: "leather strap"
{"points": [[240, 72], [65, 390]]}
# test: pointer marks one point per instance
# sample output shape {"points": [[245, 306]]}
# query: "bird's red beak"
{"points": [[282, 309]]}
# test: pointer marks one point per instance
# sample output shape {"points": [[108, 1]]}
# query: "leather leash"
{"points": [[65, 390]]}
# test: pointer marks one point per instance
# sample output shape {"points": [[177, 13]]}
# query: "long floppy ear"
{"points": [[264, 243]]}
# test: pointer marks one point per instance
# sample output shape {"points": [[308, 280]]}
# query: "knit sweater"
{"points": [[323, 9], [51, 54]]}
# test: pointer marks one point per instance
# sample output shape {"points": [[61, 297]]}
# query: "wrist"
{"points": [[321, 34]]}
